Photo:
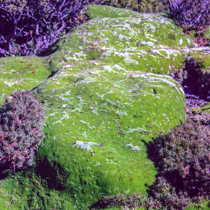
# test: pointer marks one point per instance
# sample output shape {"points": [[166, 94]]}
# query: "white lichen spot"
{"points": [[108, 68], [67, 66], [169, 52], [133, 147], [147, 43], [114, 171], [85, 134], [150, 26], [135, 130], [121, 37], [9, 84], [97, 164], [110, 161], [84, 145], [12, 70], [120, 112], [130, 60], [188, 40], [88, 124], [180, 42], [150, 77], [118, 67]]}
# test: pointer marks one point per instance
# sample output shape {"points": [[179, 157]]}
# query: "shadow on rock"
{"points": [[52, 172], [194, 81]]}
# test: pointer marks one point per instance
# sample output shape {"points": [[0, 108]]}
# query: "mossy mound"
{"points": [[146, 43], [96, 121]]}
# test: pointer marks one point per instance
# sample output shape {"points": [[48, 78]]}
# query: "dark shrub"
{"points": [[185, 151], [163, 6], [166, 195], [21, 130], [191, 14], [131, 201], [28, 27]]}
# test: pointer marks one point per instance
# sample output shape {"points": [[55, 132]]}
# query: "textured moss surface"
{"points": [[109, 95], [21, 73], [110, 109]]}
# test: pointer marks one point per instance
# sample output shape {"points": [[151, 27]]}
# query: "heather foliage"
{"points": [[183, 156], [21, 124], [179, 75], [131, 201], [163, 197], [167, 196], [191, 14], [28, 27]]}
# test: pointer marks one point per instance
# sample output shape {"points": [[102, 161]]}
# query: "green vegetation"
{"points": [[142, 6]]}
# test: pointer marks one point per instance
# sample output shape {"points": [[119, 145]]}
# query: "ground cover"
{"points": [[106, 90]]}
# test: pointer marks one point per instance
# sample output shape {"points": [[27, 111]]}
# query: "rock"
{"points": [[107, 92]]}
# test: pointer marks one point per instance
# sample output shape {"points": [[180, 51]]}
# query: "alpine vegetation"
{"points": [[21, 130], [190, 13], [27, 27]]}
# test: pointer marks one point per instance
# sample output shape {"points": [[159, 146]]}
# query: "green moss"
{"points": [[111, 108], [129, 45], [206, 108], [27, 191], [20, 73], [95, 11]]}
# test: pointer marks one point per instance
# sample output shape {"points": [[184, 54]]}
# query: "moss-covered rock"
{"points": [[106, 93], [96, 124], [103, 102]]}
